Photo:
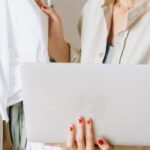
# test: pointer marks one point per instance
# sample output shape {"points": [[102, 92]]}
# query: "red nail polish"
{"points": [[100, 142], [80, 120], [71, 129], [44, 7], [89, 122]]}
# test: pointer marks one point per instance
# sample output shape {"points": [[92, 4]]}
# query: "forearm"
{"points": [[59, 50]]}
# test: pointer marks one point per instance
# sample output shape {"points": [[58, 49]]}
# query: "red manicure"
{"points": [[89, 122], [80, 121], [76, 141], [44, 7], [100, 142], [71, 129]]}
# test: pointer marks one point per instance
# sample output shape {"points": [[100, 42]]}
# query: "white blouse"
{"points": [[22, 39]]}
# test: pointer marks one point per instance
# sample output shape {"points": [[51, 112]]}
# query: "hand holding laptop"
{"points": [[82, 137]]}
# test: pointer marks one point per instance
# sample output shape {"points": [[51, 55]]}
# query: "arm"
{"points": [[59, 50]]}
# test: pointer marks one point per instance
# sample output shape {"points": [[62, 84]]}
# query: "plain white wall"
{"points": [[70, 11]]}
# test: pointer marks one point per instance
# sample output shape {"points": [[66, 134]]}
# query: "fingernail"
{"points": [[80, 120], [71, 129], [100, 142], [44, 7], [89, 122]]}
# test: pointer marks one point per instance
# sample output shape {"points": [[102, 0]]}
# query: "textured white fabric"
{"points": [[4, 57], [23, 32]]}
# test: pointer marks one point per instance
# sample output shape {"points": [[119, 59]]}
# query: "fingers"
{"points": [[90, 137], [49, 11], [71, 138], [85, 137], [40, 3], [80, 133], [103, 145]]}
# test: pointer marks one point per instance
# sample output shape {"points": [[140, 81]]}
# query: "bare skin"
{"points": [[120, 10]]}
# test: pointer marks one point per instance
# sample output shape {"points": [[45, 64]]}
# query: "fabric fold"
{"points": [[23, 38]]}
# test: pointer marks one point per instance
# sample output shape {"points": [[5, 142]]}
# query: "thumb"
{"points": [[103, 145]]}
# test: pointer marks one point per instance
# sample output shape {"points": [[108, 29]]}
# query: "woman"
{"points": [[112, 31]]}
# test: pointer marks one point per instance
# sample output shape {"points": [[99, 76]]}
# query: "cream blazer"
{"points": [[132, 45]]}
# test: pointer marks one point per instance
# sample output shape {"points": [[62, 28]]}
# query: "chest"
{"points": [[118, 23], [131, 45]]}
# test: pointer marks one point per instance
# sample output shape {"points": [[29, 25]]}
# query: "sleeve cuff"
{"points": [[75, 55]]}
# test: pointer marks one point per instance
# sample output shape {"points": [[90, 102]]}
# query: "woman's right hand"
{"points": [[82, 137], [58, 48]]}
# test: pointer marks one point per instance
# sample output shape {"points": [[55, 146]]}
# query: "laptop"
{"points": [[116, 97]]}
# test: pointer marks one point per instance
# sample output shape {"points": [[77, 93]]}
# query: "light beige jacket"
{"points": [[132, 45]]}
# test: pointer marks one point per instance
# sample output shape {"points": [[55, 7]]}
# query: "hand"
{"points": [[58, 48], [83, 137]]}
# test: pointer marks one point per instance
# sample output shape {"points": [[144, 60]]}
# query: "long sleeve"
{"points": [[4, 60], [21, 41], [75, 54]]}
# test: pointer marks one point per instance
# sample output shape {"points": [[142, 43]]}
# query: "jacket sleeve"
{"points": [[4, 61], [75, 54]]}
